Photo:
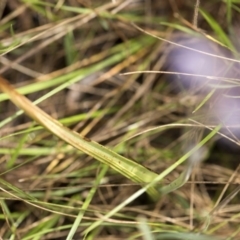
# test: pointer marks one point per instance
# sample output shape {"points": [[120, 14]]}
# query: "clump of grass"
{"points": [[71, 60]]}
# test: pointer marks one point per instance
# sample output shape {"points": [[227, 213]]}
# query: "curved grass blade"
{"points": [[157, 179], [130, 169]]}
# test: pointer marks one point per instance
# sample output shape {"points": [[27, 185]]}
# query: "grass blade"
{"points": [[218, 30], [166, 189], [130, 169], [86, 203]]}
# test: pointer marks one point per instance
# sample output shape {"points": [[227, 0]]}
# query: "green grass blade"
{"points": [[166, 189], [116, 54], [36, 232], [209, 95], [229, 12], [87, 202], [16, 151], [180, 28], [185, 236], [218, 30], [71, 52], [21, 194]]}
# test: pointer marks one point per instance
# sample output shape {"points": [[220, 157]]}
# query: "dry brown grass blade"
{"points": [[130, 169]]}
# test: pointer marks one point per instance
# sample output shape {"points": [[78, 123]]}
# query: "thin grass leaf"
{"points": [[180, 28], [229, 12], [21, 194], [115, 55], [66, 121], [19, 221], [36, 232], [218, 30], [16, 151], [70, 51], [185, 236], [7, 213], [87, 202], [31, 152], [209, 95]]}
